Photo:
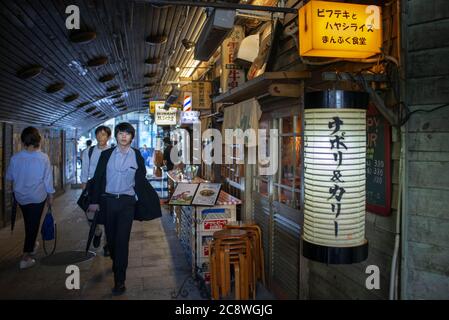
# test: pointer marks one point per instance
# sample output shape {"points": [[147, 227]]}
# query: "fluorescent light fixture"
{"points": [[189, 69]]}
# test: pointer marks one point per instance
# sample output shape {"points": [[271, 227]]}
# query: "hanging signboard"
{"points": [[189, 117], [378, 163], [340, 30], [156, 105], [166, 117], [232, 75], [201, 95], [266, 43]]}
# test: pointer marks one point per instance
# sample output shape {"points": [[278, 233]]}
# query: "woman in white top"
{"points": [[31, 173], [89, 164]]}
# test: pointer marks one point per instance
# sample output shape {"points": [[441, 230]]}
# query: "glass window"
{"points": [[288, 182]]}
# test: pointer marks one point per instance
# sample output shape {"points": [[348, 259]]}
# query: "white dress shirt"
{"points": [[121, 171], [32, 176], [89, 165]]}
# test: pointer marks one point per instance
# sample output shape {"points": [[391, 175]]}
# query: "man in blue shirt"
{"points": [[145, 153], [121, 190], [89, 162]]}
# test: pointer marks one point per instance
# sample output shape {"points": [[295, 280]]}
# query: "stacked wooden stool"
{"points": [[237, 247]]}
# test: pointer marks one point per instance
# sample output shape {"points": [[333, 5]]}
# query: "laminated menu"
{"points": [[207, 194], [183, 194]]}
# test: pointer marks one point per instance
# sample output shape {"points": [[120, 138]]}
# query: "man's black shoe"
{"points": [[97, 241], [119, 289], [106, 252]]}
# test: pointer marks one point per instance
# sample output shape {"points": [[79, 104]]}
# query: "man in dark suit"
{"points": [[121, 189]]}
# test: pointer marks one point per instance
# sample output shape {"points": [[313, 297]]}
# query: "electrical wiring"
{"points": [[407, 117]]}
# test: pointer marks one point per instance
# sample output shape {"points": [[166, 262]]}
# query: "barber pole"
{"points": [[187, 106]]}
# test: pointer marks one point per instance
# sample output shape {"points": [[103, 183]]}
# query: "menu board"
{"points": [[207, 194], [378, 163], [183, 195]]}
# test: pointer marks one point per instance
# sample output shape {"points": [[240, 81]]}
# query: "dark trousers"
{"points": [[119, 216], [32, 214]]}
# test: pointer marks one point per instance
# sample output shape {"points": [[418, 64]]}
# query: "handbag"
{"points": [[84, 200], [48, 230]]}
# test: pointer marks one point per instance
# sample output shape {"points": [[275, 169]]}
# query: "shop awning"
{"points": [[244, 115]]}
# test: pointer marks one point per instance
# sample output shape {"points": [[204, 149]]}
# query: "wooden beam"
{"points": [[284, 90], [259, 85]]}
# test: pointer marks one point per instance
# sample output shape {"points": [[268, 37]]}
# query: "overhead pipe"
{"points": [[393, 289], [222, 5]]}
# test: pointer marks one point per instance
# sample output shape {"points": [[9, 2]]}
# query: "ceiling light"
{"points": [[112, 88], [30, 72], [190, 68], [96, 62], [150, 75], [55, 87], [188, 45], [107, 77], [156, 39], [82, 37], [153, 61], [71, 97]]}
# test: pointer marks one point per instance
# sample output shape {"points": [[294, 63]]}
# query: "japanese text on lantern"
{"points": [[336, 141]]}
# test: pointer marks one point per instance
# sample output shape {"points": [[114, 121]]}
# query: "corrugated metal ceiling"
{"points": [[33, 32]]}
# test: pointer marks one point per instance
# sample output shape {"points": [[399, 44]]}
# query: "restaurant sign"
{"points": [[166, 117], [340, 30], [189, 117], [156, 105]]}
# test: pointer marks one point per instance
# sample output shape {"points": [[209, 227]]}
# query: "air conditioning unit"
{"points": [[172, 97], [217, 27]]}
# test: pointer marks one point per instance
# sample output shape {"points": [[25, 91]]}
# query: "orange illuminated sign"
{"points": [[340, 30]]}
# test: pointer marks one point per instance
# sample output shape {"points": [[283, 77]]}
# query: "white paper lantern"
{"points": [[335, 176]]}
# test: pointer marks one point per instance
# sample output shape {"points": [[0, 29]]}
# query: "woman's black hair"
{"points": [[30, 137], [103, 128], [125, 127]]}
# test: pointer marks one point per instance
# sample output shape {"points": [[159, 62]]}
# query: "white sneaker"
{"points": [[36, 246], [24, 264]]}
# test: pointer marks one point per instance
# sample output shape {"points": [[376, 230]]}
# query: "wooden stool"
{"points": [[255, 235], [230, 247]]}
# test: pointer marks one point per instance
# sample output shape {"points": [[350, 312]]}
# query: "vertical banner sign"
{"points": [[340, 30], [334, 177], [201, 95], [378, 163], [232, 75]]}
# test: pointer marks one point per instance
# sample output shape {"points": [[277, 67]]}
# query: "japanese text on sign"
{"points": [[165, 117], [351, 31]]}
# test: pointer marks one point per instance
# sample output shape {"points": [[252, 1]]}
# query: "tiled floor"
{"points": [[157, 266]]}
